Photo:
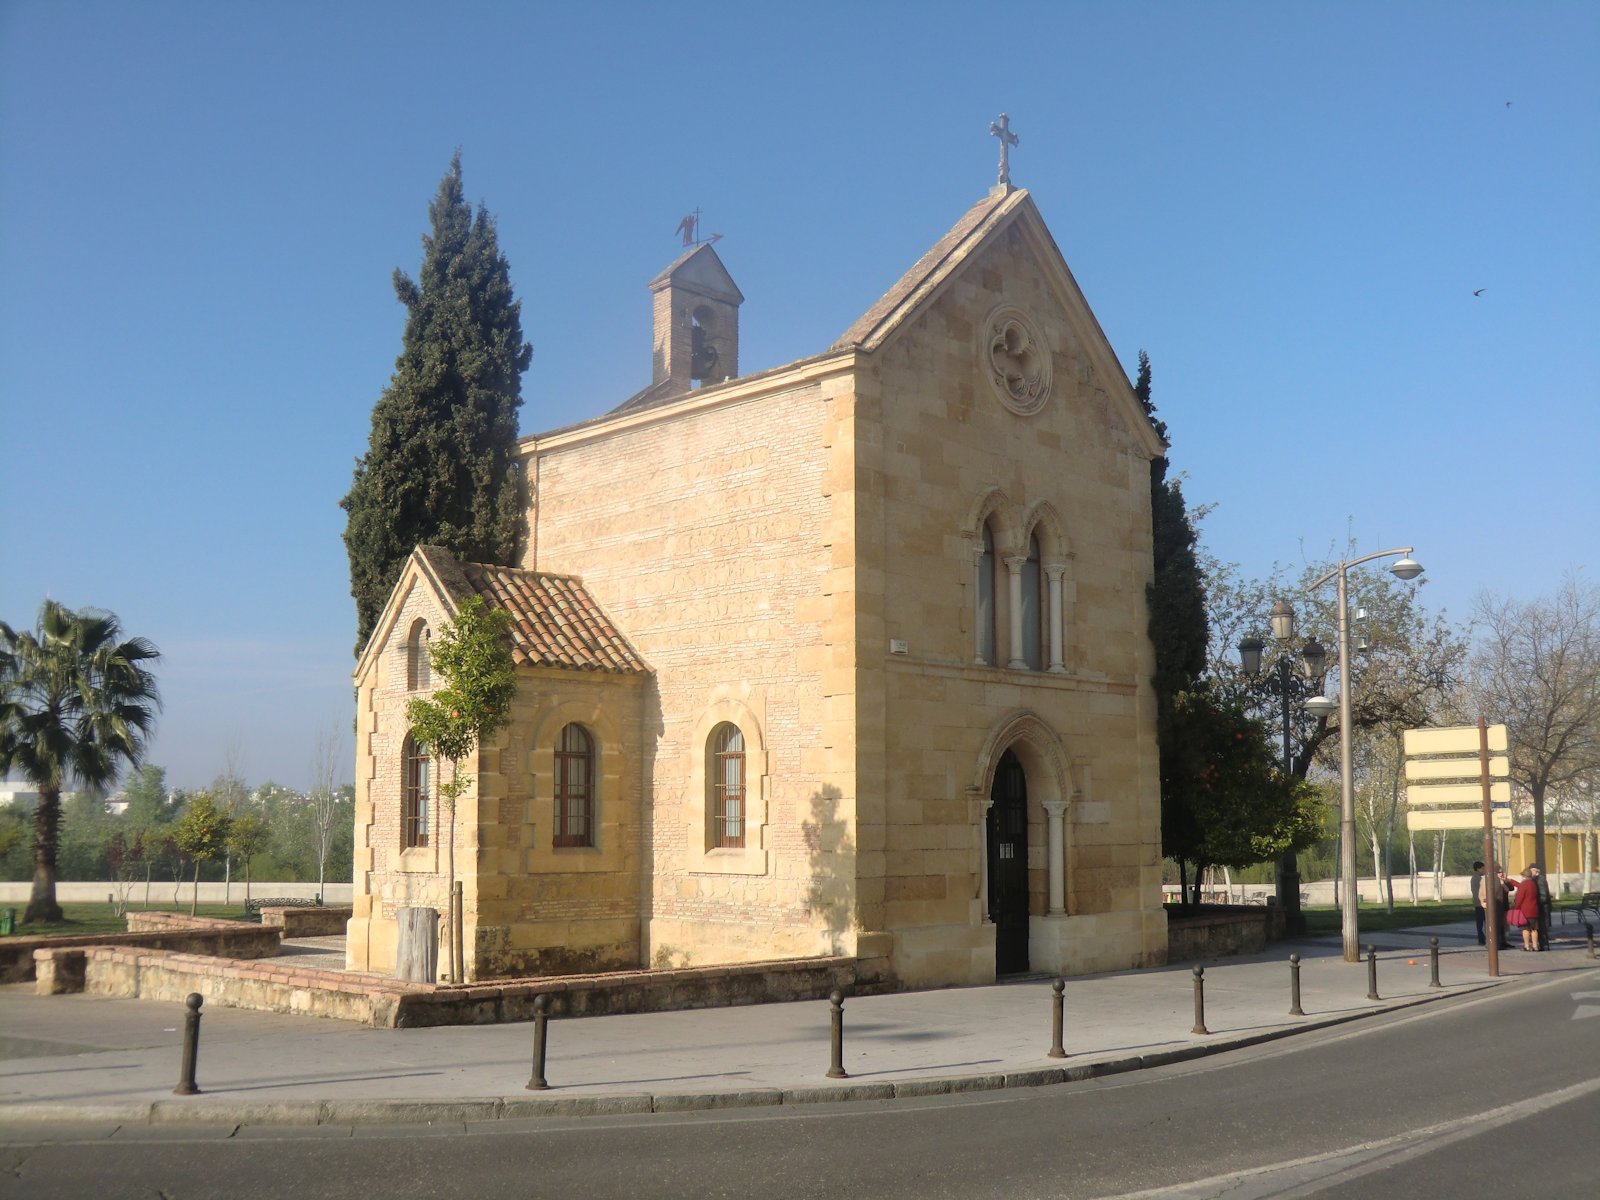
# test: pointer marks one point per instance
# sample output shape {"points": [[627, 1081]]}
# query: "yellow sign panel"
{"points": [[1456, 768], [1458, 739], [1456, 818], [1458, 794]]}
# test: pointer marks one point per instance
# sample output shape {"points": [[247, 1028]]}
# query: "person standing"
{"points": [[1524, 911], [1542, 886], [1478, 896]]}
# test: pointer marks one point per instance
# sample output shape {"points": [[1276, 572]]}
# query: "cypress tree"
{"points": [[440, 467], [1178, 631]]}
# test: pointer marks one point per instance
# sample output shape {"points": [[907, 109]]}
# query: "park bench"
{"points": [[252, 908], [1589, 903]]}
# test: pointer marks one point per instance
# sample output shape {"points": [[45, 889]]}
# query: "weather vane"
{"points": [[1002, 130], [689, 227]]}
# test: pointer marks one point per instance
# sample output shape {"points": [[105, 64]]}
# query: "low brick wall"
{"points": [[162, 922], [299, 922], [395, 1004], [225, 939], [260, 984], [1219, 931]]}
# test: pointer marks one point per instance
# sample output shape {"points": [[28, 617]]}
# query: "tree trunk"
{"points": [[1411, 850], [227, 878], [194, 899], [1438, 865], [42, 904]]}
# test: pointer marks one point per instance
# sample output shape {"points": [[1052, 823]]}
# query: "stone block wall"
{"points": [[705, 529]]}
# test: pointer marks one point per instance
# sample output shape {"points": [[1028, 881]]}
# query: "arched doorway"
{"points": [[1008, 865]]}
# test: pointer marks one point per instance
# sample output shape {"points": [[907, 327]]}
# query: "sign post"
{"points": [[1447, 755]]}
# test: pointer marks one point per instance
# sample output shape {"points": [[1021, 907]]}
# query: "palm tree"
{"points": [[76, 705]]}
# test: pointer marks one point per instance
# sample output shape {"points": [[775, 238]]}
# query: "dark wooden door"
{"points": [[1008, 866]]}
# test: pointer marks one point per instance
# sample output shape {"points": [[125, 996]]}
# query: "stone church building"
{"points": [[848, 656]]}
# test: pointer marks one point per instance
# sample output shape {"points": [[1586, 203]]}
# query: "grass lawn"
{"points": [[1377, 916], [97, 917]]}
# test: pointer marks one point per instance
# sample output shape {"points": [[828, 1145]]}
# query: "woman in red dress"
{"points": [[1524, 911]]}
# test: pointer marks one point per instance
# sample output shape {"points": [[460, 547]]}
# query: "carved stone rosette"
{"points": [[1016, 360]]}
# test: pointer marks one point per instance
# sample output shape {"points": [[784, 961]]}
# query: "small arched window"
{"points": [[725, 785], [1032, 609], [985, 616], [419, 671], [416, 805], [574, 787]]}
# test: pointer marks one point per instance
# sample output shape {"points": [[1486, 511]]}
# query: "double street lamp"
{"points": [[1407, 568], [1313, 658]]}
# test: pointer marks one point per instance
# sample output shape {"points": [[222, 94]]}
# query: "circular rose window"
{"points": [[1017, 360]]}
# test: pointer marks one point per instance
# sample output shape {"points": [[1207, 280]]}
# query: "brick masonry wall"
{"points": [[383, 1003], [225, 939]]}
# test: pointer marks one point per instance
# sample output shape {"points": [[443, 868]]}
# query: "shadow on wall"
{"points": [[831, 853]]}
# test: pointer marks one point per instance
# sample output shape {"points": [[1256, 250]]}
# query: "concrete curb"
{"points": [[537, 1106]]}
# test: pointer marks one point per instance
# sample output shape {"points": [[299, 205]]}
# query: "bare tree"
{"points": [[230, 793], [1537, 669], [326, 757]]}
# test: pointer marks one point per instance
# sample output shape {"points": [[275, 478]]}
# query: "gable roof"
{"points": [[700, 270], [918, 287], [880, 320], [555, 622]]}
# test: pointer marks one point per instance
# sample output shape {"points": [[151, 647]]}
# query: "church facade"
{"points": [[844, 657]]}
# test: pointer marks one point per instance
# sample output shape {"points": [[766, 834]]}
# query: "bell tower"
{"points": [[696, 313]]}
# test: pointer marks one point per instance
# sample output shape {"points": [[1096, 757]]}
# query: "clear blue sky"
{"points": [[1289, 206]]}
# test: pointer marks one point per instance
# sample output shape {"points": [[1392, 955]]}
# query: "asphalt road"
{"points": [[1491, 1095]]}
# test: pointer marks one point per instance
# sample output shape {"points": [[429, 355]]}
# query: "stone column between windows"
{"points": [[977, 622], [1058, 664], [1056, 811], [1014, 596], [985, 804]]}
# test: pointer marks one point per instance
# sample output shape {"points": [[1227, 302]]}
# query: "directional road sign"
{"points": [[1470, 795], [1418, 820], [1456, 768], [1458, 739]]}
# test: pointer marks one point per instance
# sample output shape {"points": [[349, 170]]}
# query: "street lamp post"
{"points": [[1407, 568], [1286, 872]]}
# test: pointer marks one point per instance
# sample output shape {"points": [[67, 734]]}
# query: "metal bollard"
{"points": [[1372, 973], [1433, 955], [1294, 987], [1057, 1005], [1200, 1001], [836, 1057], [191, 1046], [541, 1017]]}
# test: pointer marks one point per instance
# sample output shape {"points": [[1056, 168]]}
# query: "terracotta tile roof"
{"points": [[555, 622]]}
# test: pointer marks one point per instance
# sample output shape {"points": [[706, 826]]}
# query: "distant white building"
{"points": [[19, 795]]}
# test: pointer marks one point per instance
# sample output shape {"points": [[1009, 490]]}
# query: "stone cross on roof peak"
{"points": [[1002, 130]]}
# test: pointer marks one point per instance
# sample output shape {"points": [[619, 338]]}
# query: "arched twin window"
{"points": [[574, 787], [1032, 609], [987, 617], [1011, 607], [725, 786], [416, 805]]}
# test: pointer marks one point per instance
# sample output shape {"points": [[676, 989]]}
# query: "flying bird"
{"points": [[1480, 291]]}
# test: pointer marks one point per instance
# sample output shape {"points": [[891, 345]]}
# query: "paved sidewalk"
{"points": [[85, 1058]]}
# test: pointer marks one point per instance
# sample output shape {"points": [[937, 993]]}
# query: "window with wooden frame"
{"points": [[416, 806], [725, 803], [574, 787]]}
